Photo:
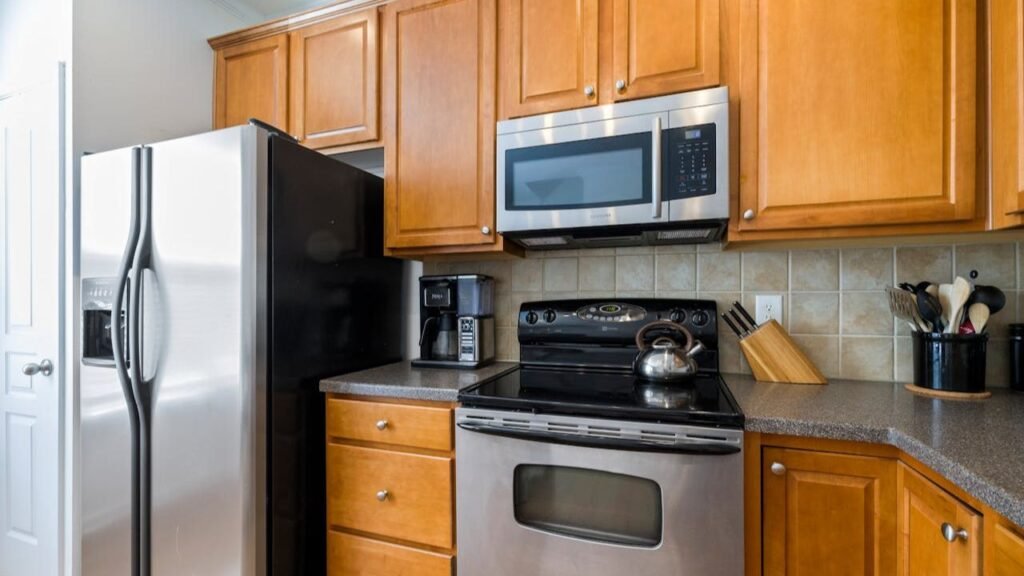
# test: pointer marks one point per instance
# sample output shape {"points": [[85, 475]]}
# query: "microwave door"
{"points": [[696, 163], [591, 174]]}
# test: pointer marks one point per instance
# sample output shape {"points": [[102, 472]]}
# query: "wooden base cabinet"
{"points": [[390, 488], [827, 513], [1004, 548], [939, 535]]}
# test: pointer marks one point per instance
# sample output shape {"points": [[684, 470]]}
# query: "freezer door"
{"points": [[204, 353], [105, 436]]}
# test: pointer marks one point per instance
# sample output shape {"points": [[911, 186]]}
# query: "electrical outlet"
{"points": [[768, 307]]}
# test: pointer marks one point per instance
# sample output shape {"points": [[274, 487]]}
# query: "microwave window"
{"points": [[588, 504], [593, 173]]}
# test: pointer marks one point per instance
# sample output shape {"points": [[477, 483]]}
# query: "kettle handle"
{"points": [[640, 344]]}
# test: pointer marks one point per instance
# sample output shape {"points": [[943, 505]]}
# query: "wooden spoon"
{"points": [[944, 292], [958, 295], [979, 314]]}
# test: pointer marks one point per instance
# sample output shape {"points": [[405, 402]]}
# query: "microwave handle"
{"points": [[656, 168]]}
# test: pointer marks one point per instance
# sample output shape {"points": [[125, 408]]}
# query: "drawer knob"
{"points": [[382, 495], [951, 534], [588, 90], [620, 85], [382, 425], [748, 215], [778, 468]]}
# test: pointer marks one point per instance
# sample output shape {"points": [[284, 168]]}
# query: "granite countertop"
{"points": [[976, 445], [402, 380]]}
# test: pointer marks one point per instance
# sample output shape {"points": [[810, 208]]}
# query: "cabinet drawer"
{"points": [[415, 426], [404, 496], [349, 555]]}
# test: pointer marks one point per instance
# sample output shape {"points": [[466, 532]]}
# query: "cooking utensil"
{"points": [[747, 330], [932, 289], [930, 309], [908, 287], [959, 292], [990, 296], [978, 314], [903, 305], [746, 315], [732, 325], [665, 359], [945, 290]]}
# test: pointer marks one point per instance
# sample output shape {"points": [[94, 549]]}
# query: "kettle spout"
{"points": [[697, 348]]}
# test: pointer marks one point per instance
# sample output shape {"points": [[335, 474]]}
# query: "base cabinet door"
{"points": [[334, 84], [826, 513], [251, 81], [1004, 549], [439, 94], [938, 534], [664, 46], [848, 118]]}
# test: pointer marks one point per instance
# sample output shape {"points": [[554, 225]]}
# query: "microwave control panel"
{"points": [[691, 161]]}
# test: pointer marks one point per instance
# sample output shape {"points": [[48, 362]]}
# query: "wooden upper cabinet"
{"points": [[548, 55], [439, 122], [1007, 112], [664, 46], [334, 82], [856, 113], [827, 513], [251, 81], [923, 549]]}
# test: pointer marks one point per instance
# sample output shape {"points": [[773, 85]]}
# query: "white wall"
{"points": [[34, 36]]}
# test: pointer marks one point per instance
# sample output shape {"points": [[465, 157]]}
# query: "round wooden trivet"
{"points": [[947, 395]]}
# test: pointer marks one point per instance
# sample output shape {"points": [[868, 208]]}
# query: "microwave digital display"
{"points": [[690, 170]]}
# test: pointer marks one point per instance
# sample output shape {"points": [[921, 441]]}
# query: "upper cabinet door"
{"points": [[1007, 77], [924, 511], [548, 55], [857, 113], [439, 122], [252, 82], [664, 46], [334, 81]]}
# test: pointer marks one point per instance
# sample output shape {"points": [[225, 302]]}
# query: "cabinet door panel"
{"points": [[439, 77], [1007, 77], [857, 112], [334, 81], [923, 509], [664, 46], [548, 55], [1004, 553], [828, 513], [252, 82]]}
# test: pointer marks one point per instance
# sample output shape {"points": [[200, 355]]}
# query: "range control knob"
{"points": [[677, 315], [549, 315], [699, 318], [531, 317]]}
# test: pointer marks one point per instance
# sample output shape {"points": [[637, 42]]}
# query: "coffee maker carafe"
{"points": [[456, 321]]}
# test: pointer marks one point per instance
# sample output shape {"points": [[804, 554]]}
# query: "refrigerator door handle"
{"points": [[122, 362]]}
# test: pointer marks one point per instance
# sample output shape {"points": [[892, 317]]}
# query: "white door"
{"points": [[30, 235]]}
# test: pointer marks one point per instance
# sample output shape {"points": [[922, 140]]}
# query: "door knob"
{"points": [[620, 85], [382, 424], [31, 369], [951, 534], [778, 468], [748, 215], [485, 230], [382, 495], [588, 90]]}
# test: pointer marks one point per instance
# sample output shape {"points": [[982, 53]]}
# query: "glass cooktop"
{"points": [[704, 399]]}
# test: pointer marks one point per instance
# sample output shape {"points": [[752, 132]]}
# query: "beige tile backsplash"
{"points": [[834, 300]]}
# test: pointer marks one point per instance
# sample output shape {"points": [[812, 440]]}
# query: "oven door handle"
{"points": [[698, 448]]}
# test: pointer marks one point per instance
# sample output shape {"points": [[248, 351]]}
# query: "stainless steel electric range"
{"points": [[571, 465]]}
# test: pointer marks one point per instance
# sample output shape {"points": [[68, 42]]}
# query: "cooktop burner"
{"points": [[703, 400]]}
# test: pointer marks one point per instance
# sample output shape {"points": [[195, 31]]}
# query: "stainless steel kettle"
{"points": [[666, 359]]}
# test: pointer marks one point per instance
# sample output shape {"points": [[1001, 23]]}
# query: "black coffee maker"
{"points": [[456, 321]]}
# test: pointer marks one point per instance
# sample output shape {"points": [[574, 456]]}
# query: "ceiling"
{"points": [[256, 11]]}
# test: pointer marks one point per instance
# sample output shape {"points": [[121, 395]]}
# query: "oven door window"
{"points": [[592, 173], [588, 504]]}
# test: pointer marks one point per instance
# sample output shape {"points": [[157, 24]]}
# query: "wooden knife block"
{"points": [[774, 357]]}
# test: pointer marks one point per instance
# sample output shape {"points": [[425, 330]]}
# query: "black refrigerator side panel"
{"points": [[335, 308]]}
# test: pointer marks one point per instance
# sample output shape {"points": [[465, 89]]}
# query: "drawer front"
{"points": [[416, 426], [349, 555], [404, 496]]}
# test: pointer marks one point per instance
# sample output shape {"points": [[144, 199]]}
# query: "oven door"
{"points": [[595, 173], [538, 495]]}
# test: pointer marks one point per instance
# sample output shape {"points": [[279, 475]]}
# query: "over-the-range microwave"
{"points": [[652, 171]]}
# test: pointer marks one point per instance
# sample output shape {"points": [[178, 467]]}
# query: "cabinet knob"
{"points": [[778, 468], [382, 495], [748, 215], [485, 230], [588, 90], [382, 424], [951, 534], [620, 85]]}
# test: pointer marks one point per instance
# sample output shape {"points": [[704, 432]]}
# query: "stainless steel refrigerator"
{"points": [[222, 275]]}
